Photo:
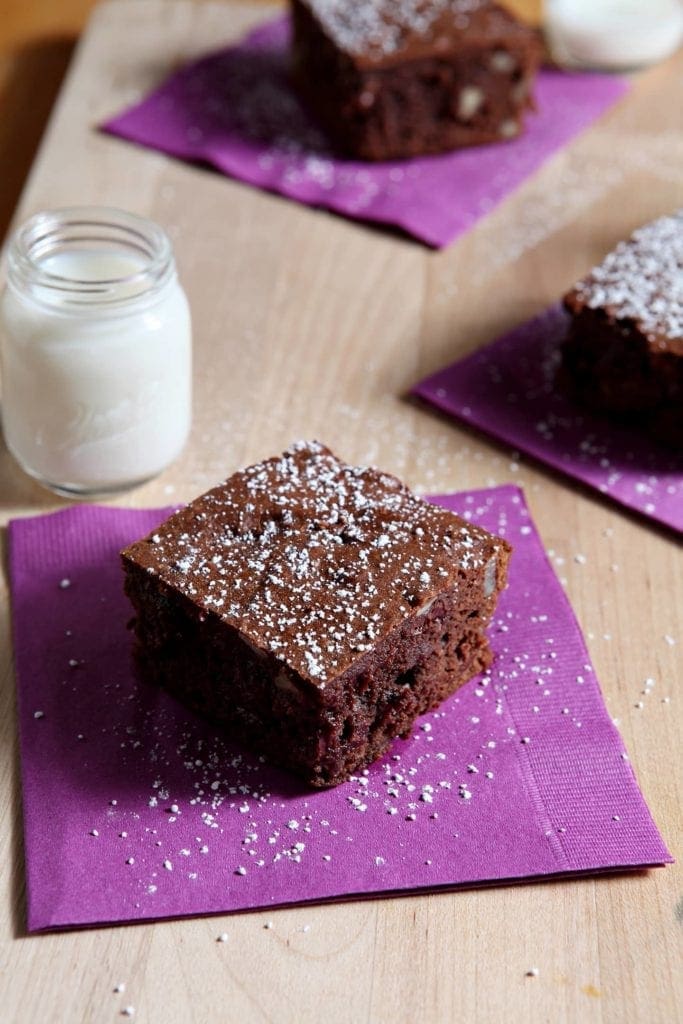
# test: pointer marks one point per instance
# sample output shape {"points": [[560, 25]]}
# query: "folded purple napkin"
{"points": [[508, 390], [236, 111], [134, 808]]}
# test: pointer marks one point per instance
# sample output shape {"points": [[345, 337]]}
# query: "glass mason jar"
{"points": [[95, 351], [612, 35]]}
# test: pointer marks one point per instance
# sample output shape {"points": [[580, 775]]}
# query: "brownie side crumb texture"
{"points": [[313, 609], [623, 355], [391, 79]]}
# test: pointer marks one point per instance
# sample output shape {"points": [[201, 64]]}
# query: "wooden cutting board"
{"points": [[307, 325]]}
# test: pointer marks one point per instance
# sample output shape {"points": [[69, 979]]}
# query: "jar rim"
{"points": [[49, 232]]}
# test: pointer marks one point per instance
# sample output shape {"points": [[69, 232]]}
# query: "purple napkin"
{"points": [[236, 111], [508, 390], [135, 809]]}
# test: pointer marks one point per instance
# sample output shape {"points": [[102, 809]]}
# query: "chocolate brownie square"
{"points": [[389, 79], [623, 355], [313, 609]]}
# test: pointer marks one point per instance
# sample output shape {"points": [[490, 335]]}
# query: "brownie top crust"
{"points": [[641, 280], [314, 560], [384, 32]]}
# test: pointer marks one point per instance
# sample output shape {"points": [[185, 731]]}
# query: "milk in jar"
{"points": [[95, 345]]}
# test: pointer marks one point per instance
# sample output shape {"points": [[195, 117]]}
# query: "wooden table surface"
{"points": [[307, 325]]}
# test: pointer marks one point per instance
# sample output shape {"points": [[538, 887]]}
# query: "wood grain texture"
{"points": [[307, 325]]}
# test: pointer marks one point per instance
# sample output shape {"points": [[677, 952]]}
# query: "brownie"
{"points": [[389, 79], [623, 355], [313, 609]]}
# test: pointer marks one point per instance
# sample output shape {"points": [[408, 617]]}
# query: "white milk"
{"points": [[613, 34], [96, 364]]}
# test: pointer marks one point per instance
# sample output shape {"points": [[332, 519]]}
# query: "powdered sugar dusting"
{"points": [[311, 559], [382, 26], [642, 280]]}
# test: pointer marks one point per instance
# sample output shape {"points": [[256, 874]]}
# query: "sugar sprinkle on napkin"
{"points": [[135, 809]]}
